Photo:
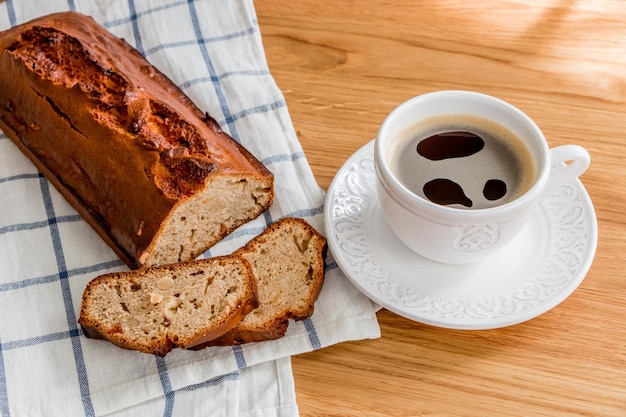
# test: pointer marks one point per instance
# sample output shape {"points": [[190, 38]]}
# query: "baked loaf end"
{"points": [[181, 305], [287, 261], [154, 175]]}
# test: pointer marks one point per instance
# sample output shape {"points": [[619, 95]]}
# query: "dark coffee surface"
{"points": [[463, 161], [450, 145]]}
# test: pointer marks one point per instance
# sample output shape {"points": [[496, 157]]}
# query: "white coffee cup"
{"points": [[456, 235]]}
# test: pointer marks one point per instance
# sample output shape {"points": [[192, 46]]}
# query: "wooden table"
{"points": [[343, 66]]}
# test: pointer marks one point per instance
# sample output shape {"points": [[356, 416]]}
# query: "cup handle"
{"points": [[568, 162]]}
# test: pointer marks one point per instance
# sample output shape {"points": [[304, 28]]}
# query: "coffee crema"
{"points": [[462, 161]]}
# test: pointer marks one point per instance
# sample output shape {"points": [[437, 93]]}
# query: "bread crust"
{"points": [[120, 141]]}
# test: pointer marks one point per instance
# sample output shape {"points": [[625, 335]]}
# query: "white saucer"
{"points": [[541, 268]]}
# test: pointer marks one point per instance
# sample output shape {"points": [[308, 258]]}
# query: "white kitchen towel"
{"points": [[262, 390], [212, 49]]}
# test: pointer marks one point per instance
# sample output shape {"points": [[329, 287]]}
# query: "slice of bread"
{"points": [[287, 260], [155, 309]]}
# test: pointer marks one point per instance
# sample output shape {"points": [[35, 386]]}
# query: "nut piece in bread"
{"points": [[155, 309], [151, 173], [287, 261]]}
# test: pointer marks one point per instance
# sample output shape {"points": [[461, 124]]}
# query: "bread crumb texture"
{"points": [[287, 261], [190, 226], [181, 305], [284, 263]]}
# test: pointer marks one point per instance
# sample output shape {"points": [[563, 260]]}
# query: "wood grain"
{"points": [[343, 66]]}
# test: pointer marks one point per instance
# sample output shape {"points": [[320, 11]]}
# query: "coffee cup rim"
{"points": [[421, 206]]}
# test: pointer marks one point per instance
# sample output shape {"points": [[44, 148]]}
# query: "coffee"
{"points": [[462, 161]]}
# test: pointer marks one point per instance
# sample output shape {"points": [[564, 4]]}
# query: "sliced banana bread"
{"points": [[287, 260], [183, 305]]}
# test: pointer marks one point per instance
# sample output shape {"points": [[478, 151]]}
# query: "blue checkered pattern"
{"points": [[212, 50]]}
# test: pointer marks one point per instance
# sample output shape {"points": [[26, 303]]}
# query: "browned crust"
{"points": [[72, 199], [146, 206], [236, 336]]}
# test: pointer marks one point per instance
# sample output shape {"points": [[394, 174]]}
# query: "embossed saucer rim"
{"points": [[530, 277]]}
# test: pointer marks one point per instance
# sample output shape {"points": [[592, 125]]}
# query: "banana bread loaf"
{"points": [[155, 176], [157, 308]]}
